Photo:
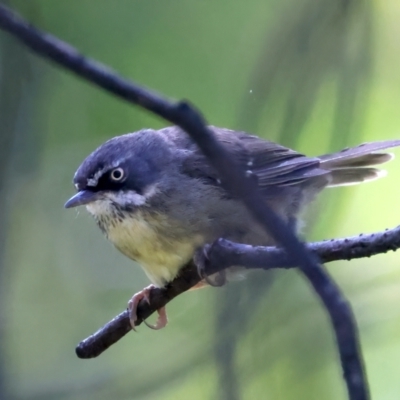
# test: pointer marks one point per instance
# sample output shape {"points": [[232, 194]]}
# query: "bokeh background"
{"points": [[316, 75]]}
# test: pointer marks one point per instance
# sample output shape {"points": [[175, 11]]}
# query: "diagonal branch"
{"points": [[221, 255], [233, 178]]}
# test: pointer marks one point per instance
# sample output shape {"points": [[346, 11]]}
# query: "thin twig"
{"points": [[232, 177]]}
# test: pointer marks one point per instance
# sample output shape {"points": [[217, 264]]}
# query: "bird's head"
{"points": [[122, 173]]}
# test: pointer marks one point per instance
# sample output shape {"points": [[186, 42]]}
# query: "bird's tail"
{"points": [[354, 165]]}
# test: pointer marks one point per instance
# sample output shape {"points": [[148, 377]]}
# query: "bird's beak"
{"points": [[81, 198]]}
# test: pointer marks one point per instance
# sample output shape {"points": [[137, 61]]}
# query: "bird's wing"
{"points": [[270, 163], [277, 165]]}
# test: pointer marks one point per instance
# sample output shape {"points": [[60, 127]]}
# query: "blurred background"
{"points": [[316, 75]]}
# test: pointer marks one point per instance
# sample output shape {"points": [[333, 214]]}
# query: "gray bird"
{"points": [[159, 201]]}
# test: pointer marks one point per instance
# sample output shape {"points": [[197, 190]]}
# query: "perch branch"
{"points": [[221, 255], [232, 177]]}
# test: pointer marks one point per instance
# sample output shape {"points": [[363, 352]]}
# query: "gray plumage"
{"points": [[169, 201]]}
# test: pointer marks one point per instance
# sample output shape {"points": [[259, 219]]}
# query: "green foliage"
{"points": [[315, 75]]}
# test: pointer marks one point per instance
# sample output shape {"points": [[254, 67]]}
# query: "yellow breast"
{"points": [[147, 239]]}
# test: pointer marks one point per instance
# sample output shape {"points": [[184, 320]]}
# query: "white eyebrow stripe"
{"points": [[95, 179]]}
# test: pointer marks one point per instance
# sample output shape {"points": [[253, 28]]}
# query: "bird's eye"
{"points": [[117, 174]]}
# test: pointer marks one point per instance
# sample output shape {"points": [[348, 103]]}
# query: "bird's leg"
{"points": [[200, 259], [132, 306]]}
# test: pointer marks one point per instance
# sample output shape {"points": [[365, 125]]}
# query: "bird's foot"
{"points": [[133, 304], [201, 259]]}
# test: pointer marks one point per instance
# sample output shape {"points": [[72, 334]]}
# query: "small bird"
{"points": [[159, 201]]}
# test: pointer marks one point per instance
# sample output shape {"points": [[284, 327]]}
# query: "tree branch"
{"points": [[233, 178], [221, 255], [225, 253]]}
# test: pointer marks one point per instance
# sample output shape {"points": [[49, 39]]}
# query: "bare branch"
{"points": [[119, 326], [221, 255], [232, 177], [225, 253]]}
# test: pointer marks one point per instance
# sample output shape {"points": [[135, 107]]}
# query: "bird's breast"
{"points": [[159, 246]]}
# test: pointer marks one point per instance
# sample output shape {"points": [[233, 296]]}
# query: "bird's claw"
{"points": [[133, 304], [161, 322], [200, 259]]}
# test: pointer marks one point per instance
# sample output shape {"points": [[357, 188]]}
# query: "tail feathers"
{"points": [[351, 166], [366, 160], [364, 155], [353, 176]]}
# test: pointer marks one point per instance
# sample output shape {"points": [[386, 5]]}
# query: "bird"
{"points": [[159, 201]]}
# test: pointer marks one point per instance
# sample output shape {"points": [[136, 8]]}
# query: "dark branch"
{"points": [[221, 255], [119, 326], [225, 253], [233, 178]]}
